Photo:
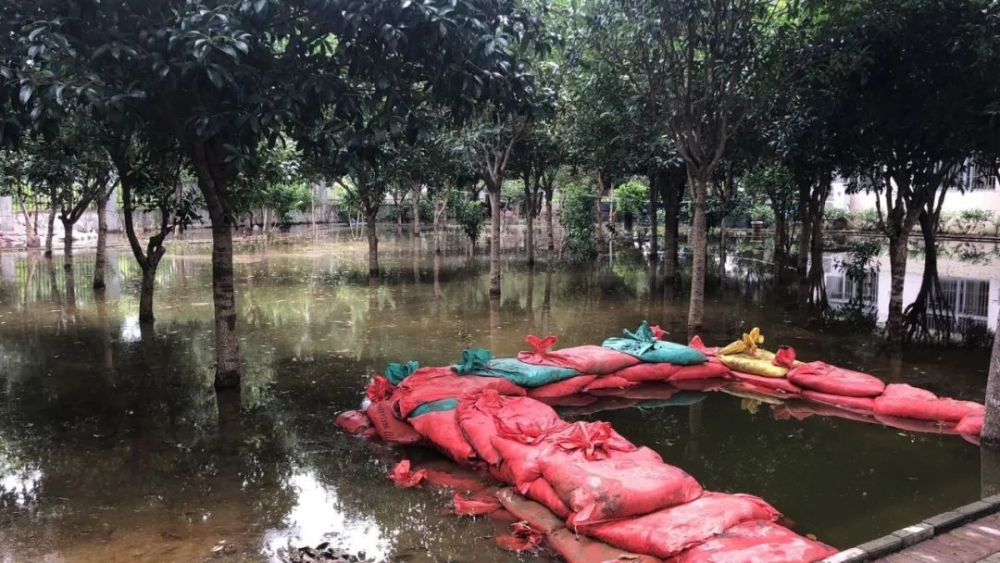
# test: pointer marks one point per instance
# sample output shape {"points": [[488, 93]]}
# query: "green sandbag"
{"points": [[396, 373], [643, 344], [480, 361], [435, 406]]}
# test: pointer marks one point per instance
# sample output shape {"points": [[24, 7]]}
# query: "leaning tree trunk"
{"points": [[494, 194], [30, 225], [699, 236], [930, 309], [51, 232], [990, 437], [897, 269], [101, 261]]}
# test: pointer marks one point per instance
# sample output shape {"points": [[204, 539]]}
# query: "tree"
{"points": [[537, 158], [936, 60], [14, 170], [223, 76], [699, 57], [990, 435]]}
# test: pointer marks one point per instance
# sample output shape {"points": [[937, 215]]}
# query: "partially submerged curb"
{"points": [[912, 535]]}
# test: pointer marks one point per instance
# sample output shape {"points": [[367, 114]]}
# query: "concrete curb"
{"points": [[911, 535]]}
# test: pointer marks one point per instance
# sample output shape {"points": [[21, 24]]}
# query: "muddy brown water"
{"points": [[113, 446]]}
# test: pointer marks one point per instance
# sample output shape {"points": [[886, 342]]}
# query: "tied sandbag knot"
{"points": [[595, 439], [747, 344], [523, 537], [379, 389], [644, 335], [785, 357], [473, 360], [396, 373], [539, 345], [530, 433], [404, 476]]}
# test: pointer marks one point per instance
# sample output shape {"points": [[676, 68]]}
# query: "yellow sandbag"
{"points": [[756, 365]]}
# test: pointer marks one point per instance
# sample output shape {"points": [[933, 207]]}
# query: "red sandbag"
{"points": [[404, 476], [575, 548], [971, 425], [522, 538], [480, 416], [711, 369], [379, 389], [699, 345], [774, 383], [541, 491], [589, 359], [353, 422], [822, 377], [563, 388], [625, 484], [649, 372], [389, 428], [441, 429], [667, 532], [538, 516], [758, 540], [904, 401], [641, 392], [860, 404], [520, 463], [475, 505], [435, 383], [610, 382], [443, 474]]}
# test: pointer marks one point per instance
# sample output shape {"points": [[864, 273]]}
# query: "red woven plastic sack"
{"points": [[759, 540], [404, 476], [612, 381], [538, 516], [903, 401], [563, 388], [699, 345], [594, 440], [520, 463], [435, 383], [860, 404], [441, 429], [625, 484], [481, 415], [389, 428], [584, 359], [711, 369], [649, 372], [541, 491], [521, 539], [971, 425], [475, 504], [353, 422], [379, 389], [822, 377], [575, 548], [773, 383], [667, 532]]}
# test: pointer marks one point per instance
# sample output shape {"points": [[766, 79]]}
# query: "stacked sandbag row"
{"points": [[780, 375], [601, 484]]}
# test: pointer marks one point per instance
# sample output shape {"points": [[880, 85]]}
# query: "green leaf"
{"points": [[26, 91]]}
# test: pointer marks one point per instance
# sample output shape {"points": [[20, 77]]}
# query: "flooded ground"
{"points": [[113, 446]]}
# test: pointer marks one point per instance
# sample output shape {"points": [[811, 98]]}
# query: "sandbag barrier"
{"points": [[614, 500]]}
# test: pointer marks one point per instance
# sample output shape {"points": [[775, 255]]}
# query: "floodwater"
{"points": [[114, 447]]}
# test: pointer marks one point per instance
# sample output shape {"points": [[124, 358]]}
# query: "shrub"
{"points": [[577, 217]]}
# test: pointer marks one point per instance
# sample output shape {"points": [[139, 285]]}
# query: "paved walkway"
{"points": [[975, 542]]}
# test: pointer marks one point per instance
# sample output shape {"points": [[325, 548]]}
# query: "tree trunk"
{"points": [[30, 223], [804, 227], [672, 224], [51, 232], [530, 235], [990, 436], [494, 196], [370, 216], [779, 242], [549, 193], [439, 208], [67, 243], [723, 223], [146, 292], [817, 279], [416, 210], [655, 187], [930, 310], [101, 261], [897, 268], [698, 237]]}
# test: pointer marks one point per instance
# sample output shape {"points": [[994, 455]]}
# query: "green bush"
{"points": [[762, 212], [972, 221], [577, 217], [469, 214], [866, 220]]}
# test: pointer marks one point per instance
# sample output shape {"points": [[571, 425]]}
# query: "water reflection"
{"points": [[113, 444]]}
